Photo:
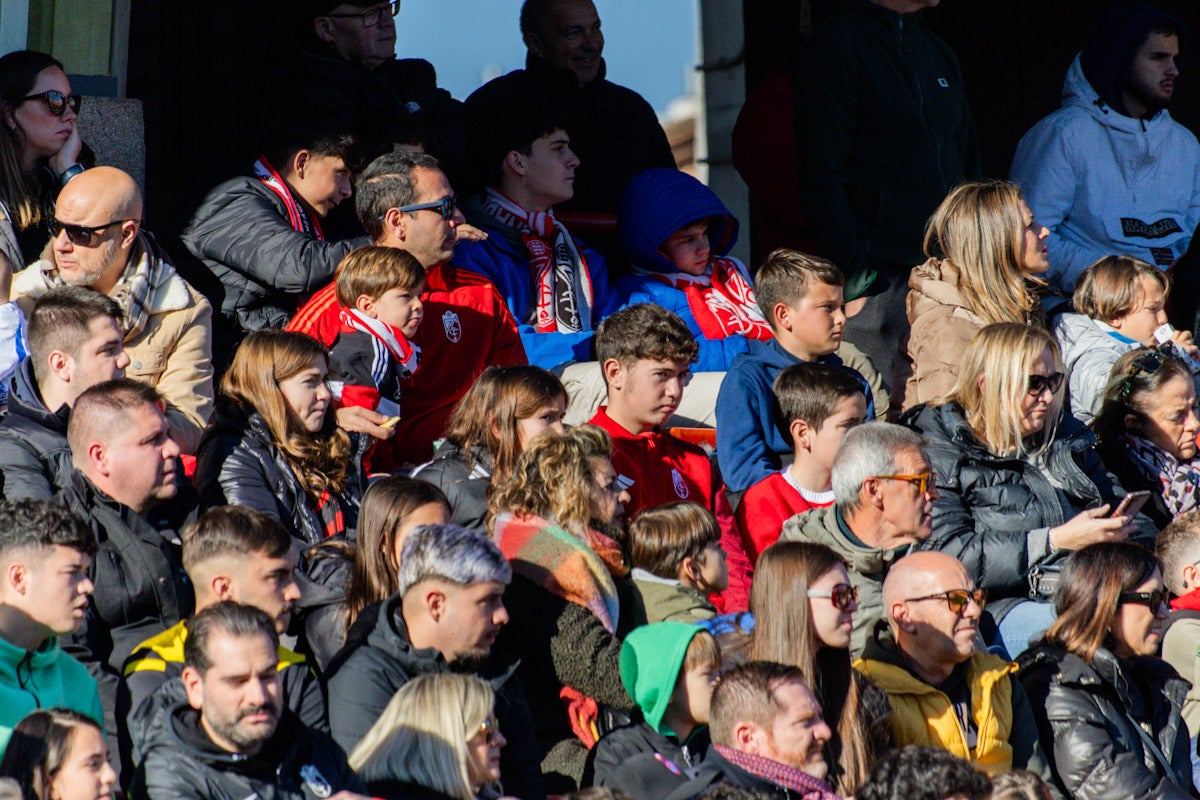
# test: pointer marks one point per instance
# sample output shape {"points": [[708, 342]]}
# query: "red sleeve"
{"points": [[741, 571], [356, 395], [760, 518], [507, 349]]}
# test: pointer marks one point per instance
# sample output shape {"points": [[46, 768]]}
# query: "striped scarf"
{"points": [[722, 300], [297, 217], [403, 351]]}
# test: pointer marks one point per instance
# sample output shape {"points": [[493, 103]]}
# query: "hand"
{"points": [[1184, 340], [468, 233], [854, 306], [356, 419], [1090, 526], [68, 154]]}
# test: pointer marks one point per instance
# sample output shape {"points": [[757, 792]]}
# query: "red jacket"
{"points": [[466, 328], [764, 508]]}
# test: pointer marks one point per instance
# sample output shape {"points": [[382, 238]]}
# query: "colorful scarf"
{"points": [[403, 351], [722, 300], [1178, 482], [561, 283], [297, 218], [780, 774], [562, 563]]}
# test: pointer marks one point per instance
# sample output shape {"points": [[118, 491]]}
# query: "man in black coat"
{"points": [[233, 737], [74, 339], [445, 615]]}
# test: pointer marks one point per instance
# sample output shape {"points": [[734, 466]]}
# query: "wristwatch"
{"points": [[70, 172]]}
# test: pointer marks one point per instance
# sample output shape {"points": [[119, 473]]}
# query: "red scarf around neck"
{"points": [[722, 300], [297, 217]]}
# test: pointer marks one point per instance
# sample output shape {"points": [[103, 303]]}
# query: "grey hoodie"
{"points": [[1088, 352]]}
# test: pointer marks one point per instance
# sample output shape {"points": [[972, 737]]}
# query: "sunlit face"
{"points": [[569, 37], [830, 624], [941, 635], [307, 395], [798, 733], [694, 689], [714, 569], [142, 458], [428, 514], [267, 583], [648, 391], [1152, 75], [98, 263], [547, 418], [824, 443], [1035, 255], [817, 321], [239, 696], [1137, 628], [607, 497], [688, 248], [905, 507], [483, 754], [1147, 315], [354, 41], [400, 308], [1035, 407], [101, 357], [323, 182], [85, 773], [550, 169], [41, 133], [57, 589], [472, 620], [1169, 419], [427, 237]]}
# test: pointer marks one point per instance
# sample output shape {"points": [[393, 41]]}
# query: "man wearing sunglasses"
{"points": [[97, 242], [946, 692]]}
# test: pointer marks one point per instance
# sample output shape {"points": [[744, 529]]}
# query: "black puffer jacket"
{"points": [[237, 462], [1090, 714], [993, 513], [296, 763], [241, 233], [35, 459], [464, 486], [379, 658], [609, 762]]}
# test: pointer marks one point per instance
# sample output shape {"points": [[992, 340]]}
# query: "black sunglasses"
{"points": [[446, 207], [57, 101], [841, 595], [372, 18], [1155, 600], [81, 235], [1040, 383]]}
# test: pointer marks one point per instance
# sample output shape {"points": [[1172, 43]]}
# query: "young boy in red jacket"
{"points": [[820, 403]]}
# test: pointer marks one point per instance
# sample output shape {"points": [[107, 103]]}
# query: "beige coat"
{"points": [[173, 353]]}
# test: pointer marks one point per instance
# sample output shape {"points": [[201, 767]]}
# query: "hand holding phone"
{"points": [[1131, 504]]}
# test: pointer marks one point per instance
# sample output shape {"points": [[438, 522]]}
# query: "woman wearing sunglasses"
{"points": [[1147, 429], [40, 148], [1109, 711], [1017, 481], [803, 605], [436, 740]]}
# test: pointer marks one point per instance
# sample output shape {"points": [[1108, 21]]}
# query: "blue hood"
{"points": [[658, 202]]}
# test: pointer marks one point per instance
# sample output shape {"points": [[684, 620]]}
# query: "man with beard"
{"points": [[1111, 171], [233, 737], [945, 692], [445, 615]]}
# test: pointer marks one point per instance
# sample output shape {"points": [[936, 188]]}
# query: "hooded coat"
{"points": [[656, 204], [1089, 351], [35, 458], [42, 678], [1103, 181]]}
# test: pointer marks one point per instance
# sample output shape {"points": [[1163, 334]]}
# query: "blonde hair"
{"points": [[265, 358], [1003, 355], [421, 736], [371, 271], [1112, 287], [978, 228]]}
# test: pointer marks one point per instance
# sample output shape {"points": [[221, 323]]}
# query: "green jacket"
{"points": [[44, 678], [671, 601]]}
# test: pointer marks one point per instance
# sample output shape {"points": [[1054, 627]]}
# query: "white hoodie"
{"points": [[1106, 183]]}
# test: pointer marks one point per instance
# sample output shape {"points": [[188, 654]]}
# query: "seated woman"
{"points": [[503, 410], [346, 577], [1120, 302], [274, 444], [985, 255], [436, 740], [811, 584], [1017, 481], [58, 754], [1147, 429], [1109, 711], [555, 521]]}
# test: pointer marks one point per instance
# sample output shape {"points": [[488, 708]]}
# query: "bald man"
{"points": [[98, 243], [944, 691], [124, 482]]}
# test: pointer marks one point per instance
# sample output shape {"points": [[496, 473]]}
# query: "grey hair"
{"points": [[867, 451], [450, 553]]}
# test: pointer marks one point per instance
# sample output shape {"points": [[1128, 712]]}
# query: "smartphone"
{"points": [[1131, 504], [390, 422]]}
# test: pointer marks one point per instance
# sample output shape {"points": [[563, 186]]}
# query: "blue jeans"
{"points": [[1023, 623]]}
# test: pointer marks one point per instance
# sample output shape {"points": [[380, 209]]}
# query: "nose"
{"points": [[498, 739], [1172, 68], [839, 316], [558, 427], [170, 449], [572, 159], [821, 732], [291, 592], [62, 243], [322, 392], [123, 360], [458, 218], [1043, 233], [1192, 423], [258, 692], [973, 609], [501, 615], [86, 586], [624, 498], [108, 776]]}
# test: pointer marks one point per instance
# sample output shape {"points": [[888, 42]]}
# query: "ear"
{"points": [[1189, 576], [396, 221], [782, 316], [801, 434], [300, 162], [16, 577], [979, 383], [323, 28], [1115, 323], [532, 43], [688, 570], [1131, 421], [874, 489], [901, 617], [514, 162], [9, 119], [222, 587], [61, 365], [193, 685], [745, 737], [435, 604], [614, 374], [365, 304], [129, 232], [97, 457]]}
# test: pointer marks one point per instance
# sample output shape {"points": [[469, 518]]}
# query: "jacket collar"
{"points": [[25, 400]]}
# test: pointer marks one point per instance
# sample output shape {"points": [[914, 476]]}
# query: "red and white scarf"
{"points": [[561, 283], [405, 352], [297, 218], [722, 300]]}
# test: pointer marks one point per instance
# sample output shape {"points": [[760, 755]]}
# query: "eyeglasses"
{"points": [[373, 18], [81, 235], [1147, 363], [923, 481], [842, 595], [447, 206], [488, 729], [57, 101], [1155, 600], [957, 600], [1040, 383]]}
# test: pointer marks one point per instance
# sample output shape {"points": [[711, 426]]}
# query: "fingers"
{"points": [[465, 232], [357, 419]]}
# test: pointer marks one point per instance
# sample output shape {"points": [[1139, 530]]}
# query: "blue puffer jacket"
{"points": [[655, 204]]}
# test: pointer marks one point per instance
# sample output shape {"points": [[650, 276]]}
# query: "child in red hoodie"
{"points": [[820, 403]]}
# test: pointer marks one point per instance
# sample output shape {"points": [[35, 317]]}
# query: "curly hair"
{"points": [[924, 773]]}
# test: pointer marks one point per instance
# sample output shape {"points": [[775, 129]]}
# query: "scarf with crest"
{"points": [[1178, 482], [722, 300], [778, 773], [297, 217], [403, 351], [561, 283]]}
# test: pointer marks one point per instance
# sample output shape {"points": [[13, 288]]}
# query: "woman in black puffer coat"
{"points": [[1109, 711], [1018, 483]]}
